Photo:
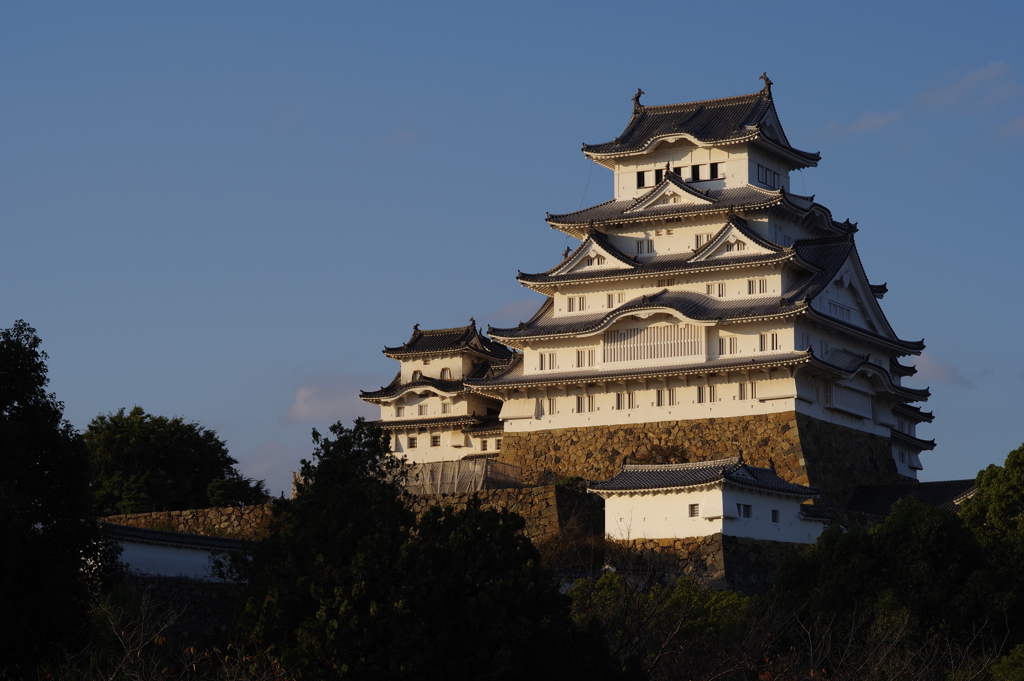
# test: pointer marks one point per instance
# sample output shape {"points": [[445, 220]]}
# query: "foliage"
{"points": [[53, 558], [143, 462], [351, 585]]}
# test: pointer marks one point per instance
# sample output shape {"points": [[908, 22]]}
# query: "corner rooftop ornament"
{"points": [[767, 81], [636, 100]]}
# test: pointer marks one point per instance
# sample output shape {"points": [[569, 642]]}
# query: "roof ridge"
{"points": [[678, 466], [718, 100]]}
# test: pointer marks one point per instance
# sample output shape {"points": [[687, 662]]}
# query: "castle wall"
{"points": [[718, 561], [234, 522], [804, 450]]}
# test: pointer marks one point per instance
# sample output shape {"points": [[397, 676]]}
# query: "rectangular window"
{"points": [[768, 177], [659, 398], [717, 290], [581, 303], [570, 304], [743, 510], [746, 391], [667, 282], [497, 444], [694, 510], [483, 445], [620, 401], [839, 311], [421, 410], [702, 394], [399, 411], [644, 247], [631, 400], [659, 175], [741, 391], [775, 515], [582, 402], [702, 239], [775, 342], [435, 440], [728, 345], [671, 397], [713, 171], [412, 443], [446, 408], [756, 286], [616, 299], [678, 171], [551, 405], [694, 173], [591, 400], [640, 179], [586, 358], [712, 393]]}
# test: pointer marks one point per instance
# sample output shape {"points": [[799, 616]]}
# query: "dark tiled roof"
{"points": [[747, 197], [662, 264], [436, 422], [176, 539], [900, 369], [914, 413], [851, 367], [479, 456], [444, 341], [489, 426], [911, 441], [671, 476], [397, 388], [879, 290], [514, 376], [844, 359], [730, 119], [815, 512], [878, 500]]}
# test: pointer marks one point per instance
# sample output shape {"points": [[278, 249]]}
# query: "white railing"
{"points": [[653, 342]]}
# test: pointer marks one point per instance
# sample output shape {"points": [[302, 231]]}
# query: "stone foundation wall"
{"points": [[804, 450], [721, 562], [537, 505], [235, 522]]}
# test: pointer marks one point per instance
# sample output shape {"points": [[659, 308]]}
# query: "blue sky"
{"points": [[224, 210]]}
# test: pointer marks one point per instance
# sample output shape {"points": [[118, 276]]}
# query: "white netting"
{"points": [[448, 477]]}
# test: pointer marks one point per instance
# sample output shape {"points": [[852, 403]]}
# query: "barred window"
{"points": [[412, 443], [435, 440], [653, 342]]}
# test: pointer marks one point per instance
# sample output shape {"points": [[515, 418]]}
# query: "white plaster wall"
{"points": [[680, 153], [665, 515], [168, 561]]}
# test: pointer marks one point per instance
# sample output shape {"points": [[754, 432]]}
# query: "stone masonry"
{"points": [[234, 522], [804, 450], [721, 562]]}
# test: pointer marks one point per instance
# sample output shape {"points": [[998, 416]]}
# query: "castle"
{"points": [[707, 311]]}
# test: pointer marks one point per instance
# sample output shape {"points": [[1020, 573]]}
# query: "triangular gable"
{"points": [[728, 239], [595, 253], [771, 126], [671, 191], [850, 289]]}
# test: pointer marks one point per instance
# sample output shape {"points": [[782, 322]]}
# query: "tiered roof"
{"points": [[638, 478], [396, 388], [729, 120], [448, 341]]}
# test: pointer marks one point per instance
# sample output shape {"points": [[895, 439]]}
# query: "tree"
{"points": [[143, 462], [53, 557], [350, 584]]}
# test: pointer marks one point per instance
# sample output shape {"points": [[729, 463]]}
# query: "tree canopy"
{"points": [[350, 584], [143, 463], [53, 556]]}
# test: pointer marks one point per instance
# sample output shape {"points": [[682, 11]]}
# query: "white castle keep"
{"points": [[707, 310]]}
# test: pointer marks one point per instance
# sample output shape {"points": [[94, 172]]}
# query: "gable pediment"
{"points": [[671, 191], [592, 256], [730, 241]]}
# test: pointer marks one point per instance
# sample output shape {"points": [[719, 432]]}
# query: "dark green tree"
{"points": [[350, 585], [143, 463], [53, 557]]}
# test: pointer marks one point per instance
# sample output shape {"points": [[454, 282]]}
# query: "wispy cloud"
{"points": [[932, 370], [868, 122], [1014, 128], [328, 398], [977, 89]]}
